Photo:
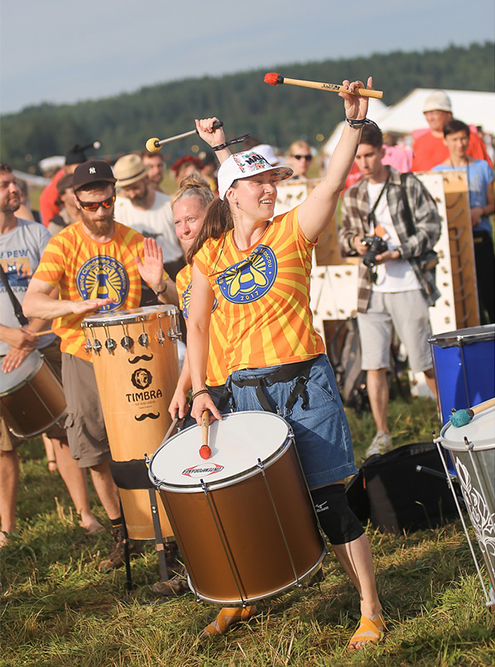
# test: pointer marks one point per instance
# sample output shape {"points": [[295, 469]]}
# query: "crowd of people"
{"points": [[241, 279]]}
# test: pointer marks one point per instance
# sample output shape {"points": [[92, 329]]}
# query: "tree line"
{"points": [[243, 101]]}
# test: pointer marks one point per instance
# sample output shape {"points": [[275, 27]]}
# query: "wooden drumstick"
{"points": [[153, 145], [462, 417], [274, 79], [205, 451], [41, 333]]}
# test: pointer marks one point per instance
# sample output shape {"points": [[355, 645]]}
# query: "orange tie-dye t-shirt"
{"points": [[263, 295], [216, 373], [86, 269]]}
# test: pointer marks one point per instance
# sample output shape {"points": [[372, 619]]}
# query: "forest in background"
{"points": [[243, 101]]}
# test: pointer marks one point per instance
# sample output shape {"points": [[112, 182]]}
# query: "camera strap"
{"points": [[371, 214]]}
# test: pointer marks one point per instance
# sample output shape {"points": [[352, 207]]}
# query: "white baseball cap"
{"points": [[245, 164], [268, 153], [437, 101]]}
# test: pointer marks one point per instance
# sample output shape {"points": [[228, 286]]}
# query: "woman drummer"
{"points": [[258, 270]]}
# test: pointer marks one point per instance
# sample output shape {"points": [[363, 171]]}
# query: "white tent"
{"points": [[472, 107]]}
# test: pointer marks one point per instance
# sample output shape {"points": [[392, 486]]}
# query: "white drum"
{"points": [[472, 449]]}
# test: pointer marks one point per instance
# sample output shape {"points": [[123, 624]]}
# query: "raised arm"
{"points": [[213, 137], [198, 341], [317, 210]]}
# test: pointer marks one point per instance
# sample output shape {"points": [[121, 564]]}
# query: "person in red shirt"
{"points": [[429, 148]]}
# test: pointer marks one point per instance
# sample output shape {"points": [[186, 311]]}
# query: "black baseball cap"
{"points": [[92, 171]]}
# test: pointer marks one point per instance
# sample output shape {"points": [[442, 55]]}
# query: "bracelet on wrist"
{"points": [[162, 291], [198, 393], [358, 123], [237, 140]]}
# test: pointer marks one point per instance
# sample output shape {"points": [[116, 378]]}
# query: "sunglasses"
{"points": [[303, 157], [94, 206]]}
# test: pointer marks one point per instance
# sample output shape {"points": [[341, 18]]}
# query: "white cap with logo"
{"points": [[245, 164]]}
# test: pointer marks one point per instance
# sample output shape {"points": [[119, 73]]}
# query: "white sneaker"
{"points": [[381, 443]]}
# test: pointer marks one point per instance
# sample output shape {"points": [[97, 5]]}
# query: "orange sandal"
{"points": [[368, 631], [227, 617]]}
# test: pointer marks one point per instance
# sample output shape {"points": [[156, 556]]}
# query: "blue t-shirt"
{"points": [[479, 175], [20, 254]]}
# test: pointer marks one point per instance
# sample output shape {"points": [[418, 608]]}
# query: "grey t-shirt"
{"points": [[20, 254]]}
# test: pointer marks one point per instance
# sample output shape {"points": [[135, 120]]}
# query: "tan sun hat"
{"points": [[129, 169], [437, 101]]}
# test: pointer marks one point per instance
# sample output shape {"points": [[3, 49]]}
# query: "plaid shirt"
{"points": [[414, 248]]}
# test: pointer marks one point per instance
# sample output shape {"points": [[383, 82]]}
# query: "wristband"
{"points": [[162, 291], [237, 140], [198, 393], [359, 123]]}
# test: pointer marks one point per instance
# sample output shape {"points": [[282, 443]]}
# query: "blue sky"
{"points": [[65, 51]]}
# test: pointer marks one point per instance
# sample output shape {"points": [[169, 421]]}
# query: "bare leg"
{"points": [[9, 481], [378, 394], [75, 479], [430, 381], [106, 489], [50, 453]]}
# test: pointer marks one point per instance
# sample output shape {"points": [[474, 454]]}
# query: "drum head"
{"points": [[128, 316], [480, 432], [9, 382], [236, 442]]}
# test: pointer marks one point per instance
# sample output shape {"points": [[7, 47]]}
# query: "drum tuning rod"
{"points": [[205, 451], [460, 418]]}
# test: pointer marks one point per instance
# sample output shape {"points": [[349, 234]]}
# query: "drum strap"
{"points": [[13, 299], [285, 373]]}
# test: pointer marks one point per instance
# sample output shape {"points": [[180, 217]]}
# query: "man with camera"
{"points": [[391, 222]]}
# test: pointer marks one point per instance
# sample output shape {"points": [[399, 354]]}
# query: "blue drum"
{"points": [[464, 363]]}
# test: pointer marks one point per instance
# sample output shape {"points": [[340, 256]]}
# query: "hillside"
{"points": [[243, 101]]}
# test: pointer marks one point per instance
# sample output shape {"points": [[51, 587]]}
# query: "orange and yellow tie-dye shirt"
{"points": [[216, 373], [86, 269], [263, 295]]}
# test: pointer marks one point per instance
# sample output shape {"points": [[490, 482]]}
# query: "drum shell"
{"points": [[241, 519], [136, 410], [36, 403], [475, 469], [464, 362]]}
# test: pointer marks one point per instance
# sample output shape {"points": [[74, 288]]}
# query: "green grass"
{"points": [[57, 610]]}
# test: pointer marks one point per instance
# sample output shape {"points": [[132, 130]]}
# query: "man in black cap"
{"points": [[49, 207], [97, 264]]}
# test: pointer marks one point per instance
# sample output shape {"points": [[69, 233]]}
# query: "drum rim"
{"points": [[459, 446], [226, 481], [479, 334], [130, 316], [38, 365]]}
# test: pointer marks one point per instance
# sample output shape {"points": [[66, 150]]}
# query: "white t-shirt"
{"points": [[20, 254], [398, 274], [156, 222]]}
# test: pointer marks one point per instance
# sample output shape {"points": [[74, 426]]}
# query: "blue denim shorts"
{"points": [[317, 419]]}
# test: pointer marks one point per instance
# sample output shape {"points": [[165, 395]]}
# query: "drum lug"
{"points": [[127, 342], [97, 345], [110, 344], [160, 337], [174, 334], [87, 346], [144, 340]]}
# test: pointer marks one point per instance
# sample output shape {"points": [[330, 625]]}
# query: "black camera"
{"points": [[376, 245]]}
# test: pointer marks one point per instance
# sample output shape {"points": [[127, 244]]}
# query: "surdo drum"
{"points": [[243, 519], [32, 399], [134, 354], [472, 449]]}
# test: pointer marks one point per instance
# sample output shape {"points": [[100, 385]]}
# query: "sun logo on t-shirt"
{"points": [[251, 278], [103, 277]]}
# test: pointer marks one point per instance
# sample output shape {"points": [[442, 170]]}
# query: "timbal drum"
{"points": [[243, 518], [134, 354], [472, 449], [31, 397]]}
